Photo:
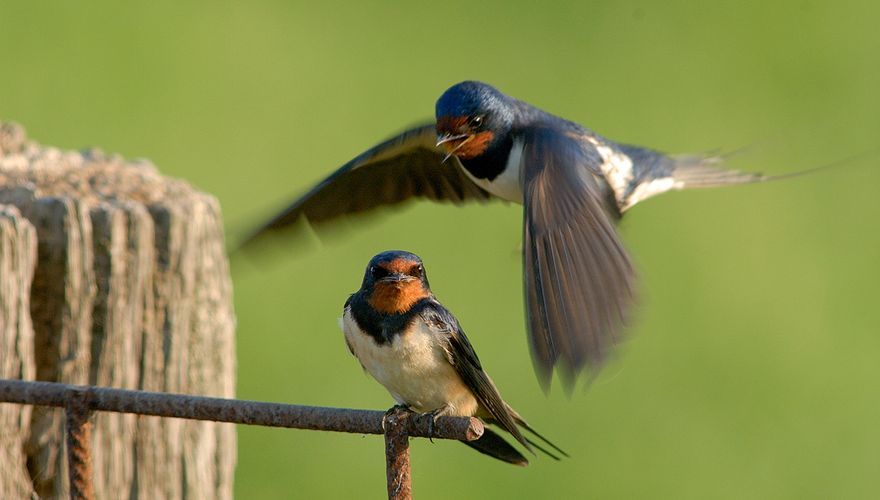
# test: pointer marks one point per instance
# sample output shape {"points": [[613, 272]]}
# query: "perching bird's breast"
{"points": [[508, 184], [413, 367]]}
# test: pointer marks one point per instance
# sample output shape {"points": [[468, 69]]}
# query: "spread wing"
{"points": [[406, 166], [462, 356], [579, 280]]}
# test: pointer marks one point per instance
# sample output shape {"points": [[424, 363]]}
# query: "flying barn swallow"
{"points": [[415, 347], [573, 184]]}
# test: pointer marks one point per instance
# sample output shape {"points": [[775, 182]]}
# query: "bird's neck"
{"points": [[381, 326], [491, 162]]}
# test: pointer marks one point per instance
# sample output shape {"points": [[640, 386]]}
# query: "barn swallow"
{"points": [[415, 347], [574, 185]]}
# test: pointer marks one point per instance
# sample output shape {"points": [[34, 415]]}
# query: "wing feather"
{"points": [[579, 280], [406, 166], [463, 358]]}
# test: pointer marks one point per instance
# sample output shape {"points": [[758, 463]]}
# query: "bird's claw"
{"points": [[431, 427], [393, 410], [431, 423]]}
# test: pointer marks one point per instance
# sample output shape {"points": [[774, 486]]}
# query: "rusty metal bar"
{"points": [[398, 424], [234, 410], [79, 436], [397, 467]]}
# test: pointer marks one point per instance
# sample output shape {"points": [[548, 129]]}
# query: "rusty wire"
{"points": [[233, 410], [397, 466], [80, 401], [79, 436]]}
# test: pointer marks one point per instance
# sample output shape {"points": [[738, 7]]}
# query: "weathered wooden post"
{"points": [[112, 275]]}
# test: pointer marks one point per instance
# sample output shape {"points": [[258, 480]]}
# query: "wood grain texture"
{"points": [[130, 289], [18, 253]]}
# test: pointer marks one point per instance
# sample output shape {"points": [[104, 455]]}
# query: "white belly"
{"points": [[508, 185], [413, 367]]}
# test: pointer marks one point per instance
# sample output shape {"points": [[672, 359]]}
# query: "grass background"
{"points": [[752, 371]]}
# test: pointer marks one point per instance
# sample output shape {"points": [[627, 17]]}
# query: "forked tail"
{"points": [[654, 173]]}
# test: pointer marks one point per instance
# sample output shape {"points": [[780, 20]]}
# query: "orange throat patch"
{"points": [[396, 298], [471, 147]]}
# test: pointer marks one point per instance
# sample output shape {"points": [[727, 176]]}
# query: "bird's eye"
{"points": [[476, 121], [378, 272]]}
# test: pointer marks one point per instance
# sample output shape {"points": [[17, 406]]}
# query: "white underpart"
{"points": [[413, 367], [648, 189], [617, 167], [508, 184]]}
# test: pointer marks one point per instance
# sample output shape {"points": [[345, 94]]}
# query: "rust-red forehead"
{"points": [[399, 265], [451, 122]]}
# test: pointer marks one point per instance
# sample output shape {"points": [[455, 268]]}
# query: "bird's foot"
{"points": [[397, 408], [439, 412], [394, 409]]}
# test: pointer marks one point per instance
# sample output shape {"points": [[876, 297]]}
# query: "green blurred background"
{"points": [[752, 371]]}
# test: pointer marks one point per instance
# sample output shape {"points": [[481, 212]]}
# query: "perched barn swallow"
{"points": [[573, 184], [415, 347]]}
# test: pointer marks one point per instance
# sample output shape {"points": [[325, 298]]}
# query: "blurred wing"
{"points": [[579, 281], [406, 166], [462, 356]]}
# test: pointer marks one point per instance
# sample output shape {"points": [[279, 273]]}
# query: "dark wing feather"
{"points": [[462, 356], [408, 165], [579, 281]]}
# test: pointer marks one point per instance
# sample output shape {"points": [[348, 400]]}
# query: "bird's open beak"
{"points": [[448, 143], [444, 138]]}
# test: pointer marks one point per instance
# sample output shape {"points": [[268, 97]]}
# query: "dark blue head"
{"points": [[471, 117], [394, 281]]}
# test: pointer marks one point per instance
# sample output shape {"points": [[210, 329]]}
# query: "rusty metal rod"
{"points": [[397, 466], [233, 410], [79, 437]]}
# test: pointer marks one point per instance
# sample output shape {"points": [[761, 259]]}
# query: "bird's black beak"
{"points": [[444, 138], [397, 278]]}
